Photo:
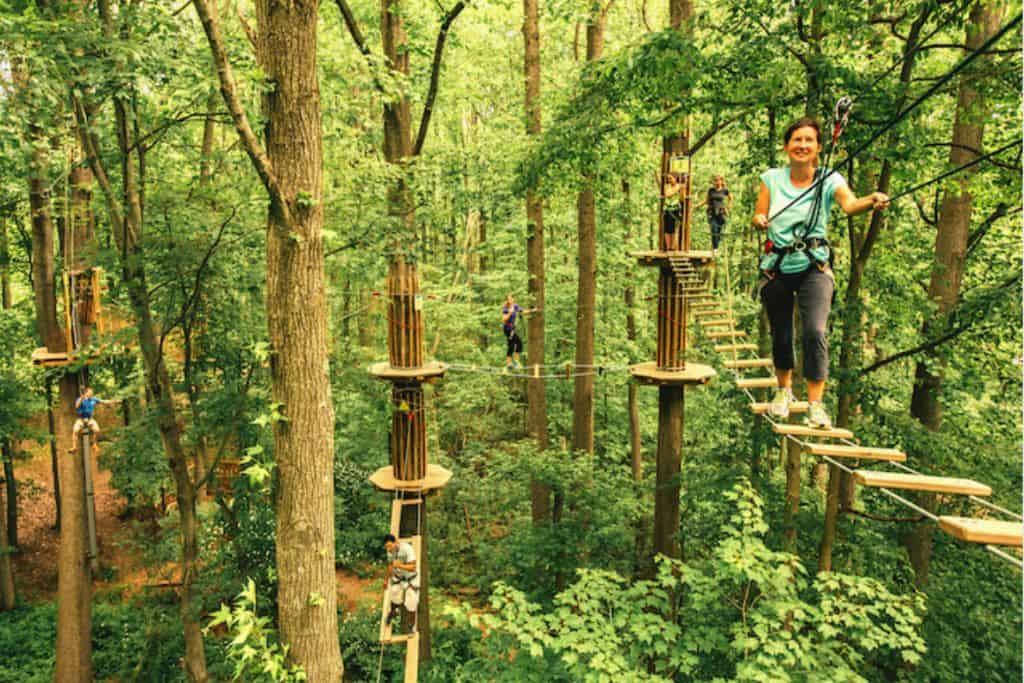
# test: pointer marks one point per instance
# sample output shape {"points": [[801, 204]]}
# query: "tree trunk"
{"points": [[297, 325], [950, 253], [586, 292], [6, 573], [12, 493], [5, 266], [74, 580], [536, 397], [52, 426]]}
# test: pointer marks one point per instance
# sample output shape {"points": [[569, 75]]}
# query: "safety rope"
{"points": [[805, 446], [901, 115]]}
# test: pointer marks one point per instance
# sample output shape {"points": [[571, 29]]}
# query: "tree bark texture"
{"points": [[74, 580], [953, 227], [586, 292], [536, 396], [6, 572], [297, 322]]}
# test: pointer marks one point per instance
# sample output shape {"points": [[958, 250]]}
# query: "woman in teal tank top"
{"points": [[795, 265]]}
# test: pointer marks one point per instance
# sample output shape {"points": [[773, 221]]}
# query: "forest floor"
{"points": [[121, 567]]}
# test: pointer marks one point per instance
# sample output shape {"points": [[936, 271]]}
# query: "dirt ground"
{"points": [[35, 563]]}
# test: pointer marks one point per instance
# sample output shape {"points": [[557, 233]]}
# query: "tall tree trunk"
{"points": [[536, 397], [5, 266], [586, 292], [950, 253], [74, 580], [51, 424], [127, 223], [11, 484], [297, 325], [7, 595]]}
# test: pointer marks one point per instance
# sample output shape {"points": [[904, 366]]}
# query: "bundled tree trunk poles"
{"points": [[291, 171], [409, 473], [536, 398], [951, 235]]}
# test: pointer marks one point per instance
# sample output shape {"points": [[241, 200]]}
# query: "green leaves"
{"points": [[748, 613]]}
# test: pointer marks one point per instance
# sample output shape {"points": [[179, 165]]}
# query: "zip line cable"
{"points": [[958, 169], [897, 118]]}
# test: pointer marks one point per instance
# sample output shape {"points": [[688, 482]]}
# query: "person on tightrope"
{"points": [[796, 263], [85, 407], [402, 581], [510, 313], [719, 203], [672, 193]]}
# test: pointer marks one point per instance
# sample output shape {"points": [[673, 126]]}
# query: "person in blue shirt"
{"points": [[85, 407], [796, 265]]}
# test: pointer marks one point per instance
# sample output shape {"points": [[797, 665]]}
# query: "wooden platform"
{"points": [[427, 372], [437, 477], [665, 258], [749, 363], [860, 452], [804, 430], [695, 373], [996, 532], [731, 334], [60, 359], [728, 348], [920, 482], [757, 383], [795, 407]]}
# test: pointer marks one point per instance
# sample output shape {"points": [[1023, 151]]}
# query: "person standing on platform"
{"points": [[719, 203]]}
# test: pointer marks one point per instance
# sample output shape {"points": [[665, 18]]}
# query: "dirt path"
{"points": [[35, 565]]}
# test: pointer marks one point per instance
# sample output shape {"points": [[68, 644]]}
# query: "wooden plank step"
{"points": [[862, 452], [994, 531], [795, 407], [708, 313], [412, 660], [731, 334], [725, 322], [396, 516], [920, 482], [411, 501], [757, 383], [804, 430], [728, 348], [749, 363]]}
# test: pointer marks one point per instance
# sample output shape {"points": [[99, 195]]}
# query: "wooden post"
{"points": [[409, 474], [405, 319], [671, 349], [670, 446], [408, 432]]}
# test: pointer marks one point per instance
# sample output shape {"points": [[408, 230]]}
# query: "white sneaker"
{"points": [[817, 416], [779, 407]]}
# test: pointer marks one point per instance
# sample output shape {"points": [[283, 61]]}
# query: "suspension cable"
{"points": [[897, 118]]}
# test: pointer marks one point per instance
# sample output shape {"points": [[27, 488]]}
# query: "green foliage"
{"points": [[747, 613], [253, 648]]}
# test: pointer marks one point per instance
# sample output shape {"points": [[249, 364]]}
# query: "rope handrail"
{"points": [[805, 446]]}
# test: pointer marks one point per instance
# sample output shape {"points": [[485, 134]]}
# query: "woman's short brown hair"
{"points": [[805, 122]]}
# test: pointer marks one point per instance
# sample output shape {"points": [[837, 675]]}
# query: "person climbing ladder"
{"points": [[85, 407], [719, 203], [797, 261], [510, 313], [402, 581]]}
